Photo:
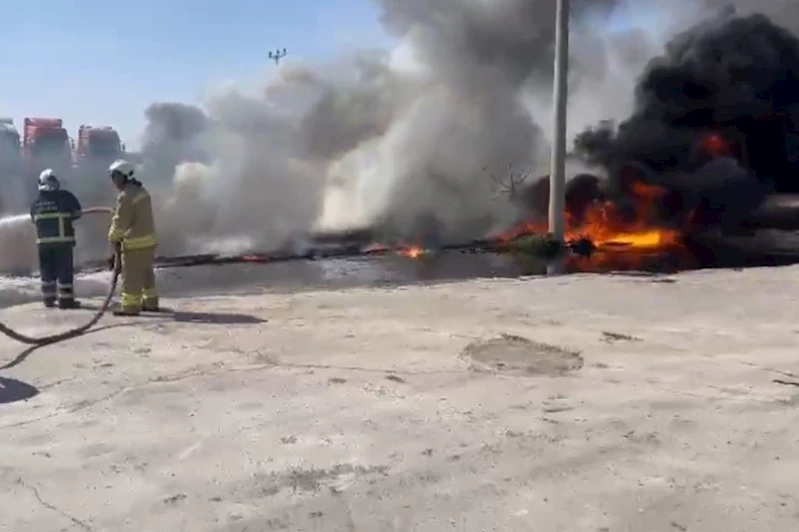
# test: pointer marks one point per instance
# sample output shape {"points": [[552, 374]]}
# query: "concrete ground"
{"points": [[585, 403]]}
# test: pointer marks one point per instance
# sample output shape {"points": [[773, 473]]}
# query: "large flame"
{"points": [[604, 223], [630, 236], [621, 238]]}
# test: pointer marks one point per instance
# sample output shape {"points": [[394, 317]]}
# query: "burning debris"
{"points": [[715, 131], [714, 134]]}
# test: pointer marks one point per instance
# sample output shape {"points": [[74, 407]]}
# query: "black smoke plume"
{"points": [[716, 119]]}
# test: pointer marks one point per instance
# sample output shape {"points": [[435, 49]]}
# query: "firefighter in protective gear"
{"points": [[133, 234], [53, 212]]}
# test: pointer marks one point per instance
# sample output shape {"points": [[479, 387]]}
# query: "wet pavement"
{"points": [[765, 248], [292, 276]]}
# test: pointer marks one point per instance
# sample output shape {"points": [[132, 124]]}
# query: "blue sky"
{"points": [[102, 63]]}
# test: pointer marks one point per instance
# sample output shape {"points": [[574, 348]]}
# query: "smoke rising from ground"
{"points": [[735, 74], [410, 141], [365, 141]]}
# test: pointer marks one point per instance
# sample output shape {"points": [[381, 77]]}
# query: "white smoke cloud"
{"points": [[399, 140]]}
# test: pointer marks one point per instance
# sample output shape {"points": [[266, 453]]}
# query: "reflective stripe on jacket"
{"points": [[133, 225], [53, 213]]}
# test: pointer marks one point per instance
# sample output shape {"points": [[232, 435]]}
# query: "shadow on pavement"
{"points": [[12, 390], [206, 318], [20, 358], [213, 318], [180, 316]]}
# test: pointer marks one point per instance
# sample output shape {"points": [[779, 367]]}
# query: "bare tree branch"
{"points": [[509, 182]]}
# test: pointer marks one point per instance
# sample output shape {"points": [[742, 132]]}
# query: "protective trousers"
{"points": [[138, 280], [57, 272]]}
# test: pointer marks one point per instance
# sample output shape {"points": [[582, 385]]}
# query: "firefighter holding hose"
{"points": [[53, 212], [133, 234]]}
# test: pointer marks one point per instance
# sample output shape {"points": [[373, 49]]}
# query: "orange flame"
{"points": [[413, 252], [716, 145], [623, 239]]}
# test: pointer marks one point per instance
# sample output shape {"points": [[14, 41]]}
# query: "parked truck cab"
{"points": [[98, 144], [46, 144]]}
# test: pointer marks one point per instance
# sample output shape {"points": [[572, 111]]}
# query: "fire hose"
{"points": [[77, 331]]}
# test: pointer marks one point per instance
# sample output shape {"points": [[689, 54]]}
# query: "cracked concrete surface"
{"points": [[596, 404]]}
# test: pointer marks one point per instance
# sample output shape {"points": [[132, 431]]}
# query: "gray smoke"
{"points": [[171, 135], [410, 141], [365, 141]]}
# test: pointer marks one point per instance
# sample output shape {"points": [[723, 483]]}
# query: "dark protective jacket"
{"points": [[53, 213]]}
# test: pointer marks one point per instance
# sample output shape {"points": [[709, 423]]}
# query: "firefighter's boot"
{"points": [[150, 304], [67, 304]]}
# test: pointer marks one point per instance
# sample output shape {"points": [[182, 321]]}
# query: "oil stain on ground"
{"points": [[515, 354]]}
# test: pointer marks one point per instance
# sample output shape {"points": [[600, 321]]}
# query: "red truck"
{"points": [[98, 145], [46, 144]]}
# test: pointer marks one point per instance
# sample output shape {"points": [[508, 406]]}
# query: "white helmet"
{"points": [[122, 168], [48, 180]]}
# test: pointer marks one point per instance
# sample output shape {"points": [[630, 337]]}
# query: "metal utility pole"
{"points": [[557, 172], [277, 55]]}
